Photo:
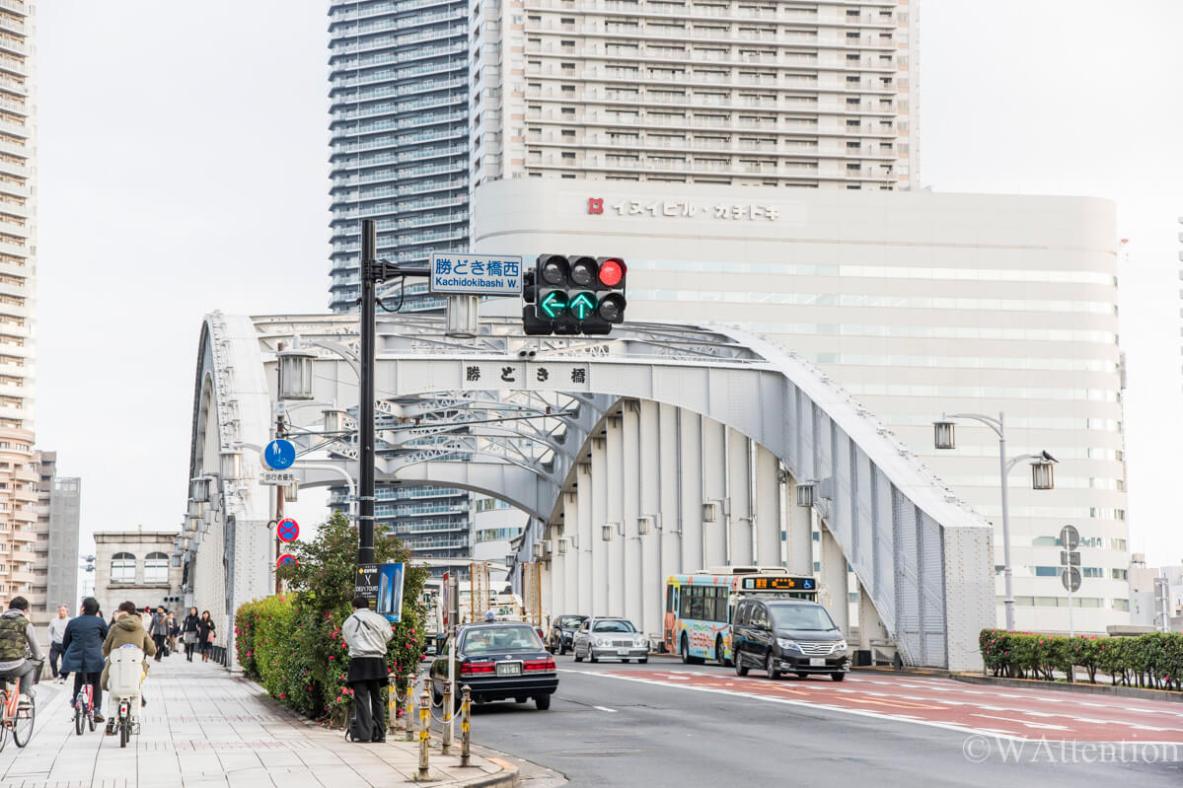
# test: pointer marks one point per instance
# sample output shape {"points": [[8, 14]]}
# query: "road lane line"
{"points": [[605, 708]]}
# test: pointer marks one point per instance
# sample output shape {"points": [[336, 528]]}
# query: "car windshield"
{"points": [[570, 622], [812, 618], [488, 640], [614, 625]]}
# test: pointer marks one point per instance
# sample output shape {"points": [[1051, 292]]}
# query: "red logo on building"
{"points": [[595, 205]]}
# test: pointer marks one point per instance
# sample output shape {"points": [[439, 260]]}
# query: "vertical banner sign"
{"points": [[365, 584], [390, 591]]}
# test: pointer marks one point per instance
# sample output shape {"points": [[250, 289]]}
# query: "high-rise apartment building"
{"points": [[399, 129], [55, 565], [19, 475], [815, 94]]}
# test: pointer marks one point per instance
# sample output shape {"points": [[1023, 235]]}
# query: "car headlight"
{"points": [[640, 642], [600, 642], [839, 646], [785, 643]]}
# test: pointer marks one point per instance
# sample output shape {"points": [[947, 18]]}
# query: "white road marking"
{"points": [[1037, 725], [605, 708]]}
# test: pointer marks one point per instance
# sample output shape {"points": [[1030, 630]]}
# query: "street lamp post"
{"points": [[1042, 478]]}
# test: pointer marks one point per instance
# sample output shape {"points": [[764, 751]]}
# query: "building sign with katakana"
{"points": [[476, 274], [685, 209]]}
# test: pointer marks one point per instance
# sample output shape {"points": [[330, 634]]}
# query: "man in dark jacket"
{"points": [[83, 643]]}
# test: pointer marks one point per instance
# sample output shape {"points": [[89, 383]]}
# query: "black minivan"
{"points": [[782, 636]]}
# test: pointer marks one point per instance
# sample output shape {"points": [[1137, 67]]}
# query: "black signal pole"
{"points": [[373, 272], [365, 408]]}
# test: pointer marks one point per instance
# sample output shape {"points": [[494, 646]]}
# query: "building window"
{"points": [[123, 568], [156, 568]]}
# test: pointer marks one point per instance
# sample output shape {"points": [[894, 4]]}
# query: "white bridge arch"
{"points": [[658, 449]]}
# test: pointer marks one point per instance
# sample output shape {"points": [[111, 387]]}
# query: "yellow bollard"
{"points": [[446, 737], [410, 712], [424, 733], [465, 723]]}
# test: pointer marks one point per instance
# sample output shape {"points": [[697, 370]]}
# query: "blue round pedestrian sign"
{"points": [[287, 530], [279, 454]]}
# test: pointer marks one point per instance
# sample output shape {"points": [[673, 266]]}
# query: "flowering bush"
{"points": [[1151, 660], [292, 644]]}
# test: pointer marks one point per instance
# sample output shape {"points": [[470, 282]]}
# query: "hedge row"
{"points": [[292, 644], [1151, 660]]}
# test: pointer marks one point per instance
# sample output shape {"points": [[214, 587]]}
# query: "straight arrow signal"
{"points": [[582, 305]]}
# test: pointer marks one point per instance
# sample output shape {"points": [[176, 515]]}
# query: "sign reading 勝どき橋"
{"points": [[476, 274]]}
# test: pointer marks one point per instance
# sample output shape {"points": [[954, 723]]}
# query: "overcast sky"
{"points": [[182, 167]]}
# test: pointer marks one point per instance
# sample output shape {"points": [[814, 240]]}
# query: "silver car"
{"points": [[610, 638]]}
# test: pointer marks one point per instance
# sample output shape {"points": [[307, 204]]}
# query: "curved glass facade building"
{"points": [[399, 135]]}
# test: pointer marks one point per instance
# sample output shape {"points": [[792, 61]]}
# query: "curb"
{"points": [[1141, 693]]}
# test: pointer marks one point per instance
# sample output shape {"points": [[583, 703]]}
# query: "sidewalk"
{"points": [[203, 727]]}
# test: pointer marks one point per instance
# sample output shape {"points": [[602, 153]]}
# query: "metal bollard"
{"points": [[410, 713], [465, 722], [446, 737], [424, 733]]}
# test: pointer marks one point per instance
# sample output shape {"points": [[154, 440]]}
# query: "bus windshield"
{"points": [[809, 618]]}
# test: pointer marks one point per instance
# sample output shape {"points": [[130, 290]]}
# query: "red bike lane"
{"points": [[1026, 713]]}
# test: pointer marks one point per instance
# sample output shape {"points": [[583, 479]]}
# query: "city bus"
{"points": [[699, 606]]}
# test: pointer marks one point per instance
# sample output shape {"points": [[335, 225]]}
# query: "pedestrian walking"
{"points": [[173, 630], [207, 633], [57, 631], [83, 655], [189, 633], [158, 629], [367, 635]]}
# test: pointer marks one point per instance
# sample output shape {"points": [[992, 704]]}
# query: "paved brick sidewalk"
{"points": [[204, 727]]}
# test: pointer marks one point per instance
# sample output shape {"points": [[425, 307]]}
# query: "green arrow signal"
{"points": [[553, 303], [582, 305]]}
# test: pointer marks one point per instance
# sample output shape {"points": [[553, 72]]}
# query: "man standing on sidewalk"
{"points": [[367, 635], [57, 630], [159, 631]]}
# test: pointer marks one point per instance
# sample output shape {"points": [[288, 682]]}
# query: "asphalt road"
{"points": [[615, 725]]}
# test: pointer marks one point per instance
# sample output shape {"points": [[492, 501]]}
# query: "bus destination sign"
{"points": [[779, 584]]}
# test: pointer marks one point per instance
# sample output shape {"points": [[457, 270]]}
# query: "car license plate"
{"points": [[509, 668], [622, 652], [817, 662]]}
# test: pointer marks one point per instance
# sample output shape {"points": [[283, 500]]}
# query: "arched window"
{"points": [[123, 568], [156, 568]]}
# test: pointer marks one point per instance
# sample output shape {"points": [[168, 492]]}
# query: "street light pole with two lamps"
{"points": [[1042, 478]]}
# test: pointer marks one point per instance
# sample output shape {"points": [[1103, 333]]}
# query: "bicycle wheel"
{"points": [[124, 731], [77, 719], [22, 726], [90, 720]]}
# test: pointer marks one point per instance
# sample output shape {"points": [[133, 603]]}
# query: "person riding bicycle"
{"points": [[128, 630], [20, 657]]}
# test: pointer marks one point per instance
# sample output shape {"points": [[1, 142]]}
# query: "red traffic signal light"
{"points": [[612, 272]]}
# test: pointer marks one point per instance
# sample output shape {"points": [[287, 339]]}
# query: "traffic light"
{"points": [[572, 294]]}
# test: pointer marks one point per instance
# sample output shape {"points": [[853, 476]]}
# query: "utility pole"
{"points": [[280, 433], [373, 273], [365, 409]]}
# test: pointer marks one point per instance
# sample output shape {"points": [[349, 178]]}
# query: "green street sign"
{"points": [[582, 305], [553, 303]]}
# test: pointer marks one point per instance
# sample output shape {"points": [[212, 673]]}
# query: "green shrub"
{"points": [[292, 645], [1151, 660]]}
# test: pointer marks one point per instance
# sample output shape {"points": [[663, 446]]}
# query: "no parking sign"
{"points": [[287, 530]]}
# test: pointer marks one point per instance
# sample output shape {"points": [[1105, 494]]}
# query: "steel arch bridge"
{"points": [[659, 449]]}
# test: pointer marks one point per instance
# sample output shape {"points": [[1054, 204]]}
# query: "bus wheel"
{"points": [[719, 653], [686, 658]]}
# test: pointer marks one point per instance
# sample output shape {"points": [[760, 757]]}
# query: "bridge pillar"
{"points": [[669, 496], [599, 517], [568, 600], [714, 489], [649, 475], [870, 626], [834, 581], [768, 527], [631, 504], [583, 490], [739, 493], [614, 468], [690, 491], [798, 532]]}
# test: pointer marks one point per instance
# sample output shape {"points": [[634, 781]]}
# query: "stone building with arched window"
{"points": [[136, 565]]}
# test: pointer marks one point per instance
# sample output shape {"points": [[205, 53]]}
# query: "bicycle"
{"points": [[84, 708], [15, 716], [124, 677]]}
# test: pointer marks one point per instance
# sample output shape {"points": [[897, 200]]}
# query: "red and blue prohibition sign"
{"points": [[286, 559], [288, 530]]}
